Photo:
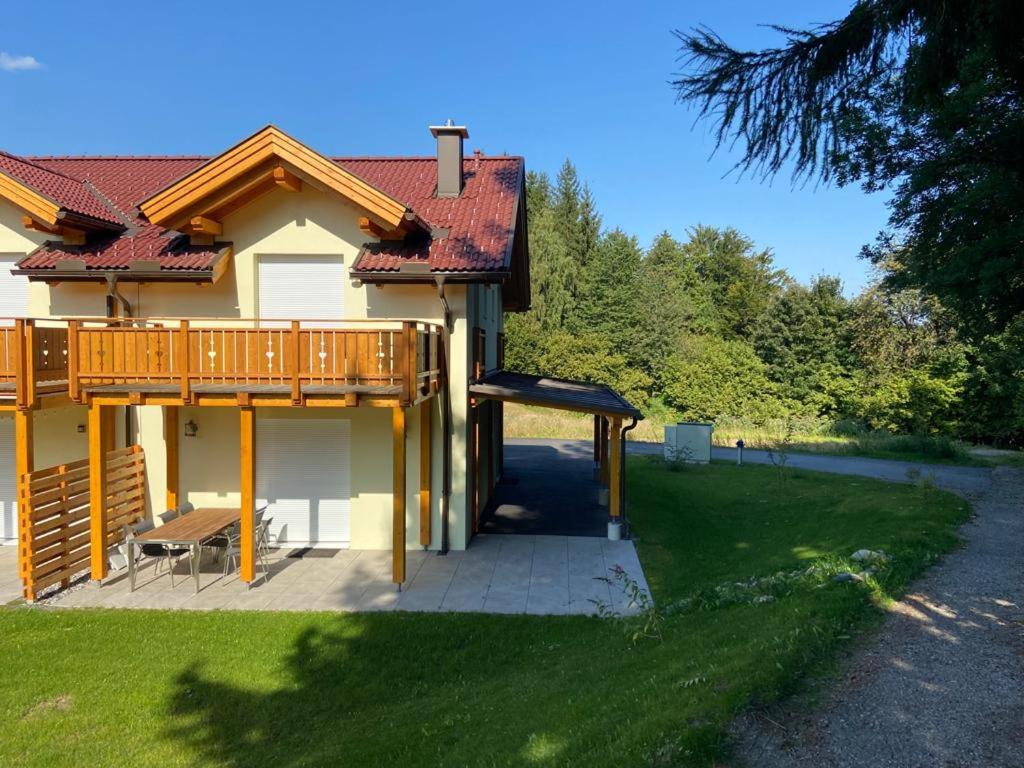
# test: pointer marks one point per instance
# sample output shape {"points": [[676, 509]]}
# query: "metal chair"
{"points": [[173, 554], [159, 552], [263, 536], [130, 532], [233, 554], [221, 542]]}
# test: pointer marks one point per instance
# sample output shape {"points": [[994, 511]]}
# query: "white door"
{"points": [[302, 475], [301, 287], [8, 484], [13, 290]]}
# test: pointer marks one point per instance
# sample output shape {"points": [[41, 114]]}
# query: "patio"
{"points": [[497, 574]]}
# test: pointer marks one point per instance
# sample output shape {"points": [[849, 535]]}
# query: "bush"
{"points": [[708, 378]]}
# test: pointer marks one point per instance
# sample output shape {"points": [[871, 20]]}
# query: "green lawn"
{"points": [[250, 689]]}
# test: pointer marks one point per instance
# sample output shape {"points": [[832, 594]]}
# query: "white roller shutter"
{"points": [[302, 287], [302, 474], [8, 484], [13, 289]]}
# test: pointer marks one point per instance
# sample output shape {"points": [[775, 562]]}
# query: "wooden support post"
{"points": [[426, 455], [296, 382], [499, 415], [24, 457], [402, 353], [97, 492], [24, 354], [473, 466], [604, 452], [411, 336], [62, 469], [398, 496], [597, 440], [171, 443], [109, 429], [74, 388], [186, 385], [247, 454], [615, 460], [489, 412]]}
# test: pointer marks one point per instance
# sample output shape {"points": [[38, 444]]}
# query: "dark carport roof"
{"points": [[553, 393]]}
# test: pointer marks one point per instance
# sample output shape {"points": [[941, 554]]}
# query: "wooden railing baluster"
{"points": [[296, 384], [74, 390], [183, 355]]}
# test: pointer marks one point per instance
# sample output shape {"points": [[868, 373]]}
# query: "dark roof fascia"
{"points": [[520, 193], [125, 275], [72, 219], [394, 276], [491, 386]]}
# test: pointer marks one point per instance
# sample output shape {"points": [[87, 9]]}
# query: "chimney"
{"points": [[449, 157]]}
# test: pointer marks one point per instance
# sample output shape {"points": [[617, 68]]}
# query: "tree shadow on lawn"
{"points": [[420, 689]]}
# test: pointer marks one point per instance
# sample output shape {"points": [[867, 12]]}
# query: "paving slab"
{"points": [[498, 574]]}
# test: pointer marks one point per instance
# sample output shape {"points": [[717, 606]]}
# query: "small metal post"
{"points": [[739, 453]]}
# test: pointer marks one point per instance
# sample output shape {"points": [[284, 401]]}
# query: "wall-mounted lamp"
{"points": [[80, 429], [191, 428]]}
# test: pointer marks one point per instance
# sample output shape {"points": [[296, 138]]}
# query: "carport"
{"points": [[554, 487]]}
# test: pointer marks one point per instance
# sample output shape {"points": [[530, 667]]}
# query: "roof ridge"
{"points": [[118, 157], [24, 159], [430, 158], [34, 160]]}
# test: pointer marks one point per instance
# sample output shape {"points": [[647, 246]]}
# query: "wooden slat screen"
{"points": [[54, 520]]}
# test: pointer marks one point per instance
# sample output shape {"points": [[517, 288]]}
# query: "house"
{"points": [[323, 335]]}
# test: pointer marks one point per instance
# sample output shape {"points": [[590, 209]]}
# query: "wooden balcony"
{"points": [[217, 362], [33, 361]]}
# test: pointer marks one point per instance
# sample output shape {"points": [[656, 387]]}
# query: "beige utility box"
{"points": [[688, 441]]}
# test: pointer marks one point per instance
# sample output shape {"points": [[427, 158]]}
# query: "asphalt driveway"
{"points": [[950, 477]]}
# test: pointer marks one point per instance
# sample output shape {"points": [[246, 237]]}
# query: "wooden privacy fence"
{"points": [[53, 511]]}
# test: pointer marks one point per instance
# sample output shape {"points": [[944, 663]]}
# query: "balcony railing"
{"points": [[389, 358], [33, 358]]}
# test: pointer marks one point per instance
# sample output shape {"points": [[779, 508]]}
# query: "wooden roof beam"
{"points": [[201, 225], [70, 235], [287, 180], [373, 229], [28, 200], [246, 189]]}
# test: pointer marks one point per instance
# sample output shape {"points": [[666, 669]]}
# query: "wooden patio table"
{"points": [[187, 531]]}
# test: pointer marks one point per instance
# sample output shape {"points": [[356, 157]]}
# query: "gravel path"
{"points": [[942, 683]]}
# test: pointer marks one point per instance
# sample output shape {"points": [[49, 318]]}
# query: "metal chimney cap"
{"points": [[449, 129]]}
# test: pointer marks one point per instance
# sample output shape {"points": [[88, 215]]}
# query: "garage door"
{"points": [[8, 484], [302, 474], [302, 287]]}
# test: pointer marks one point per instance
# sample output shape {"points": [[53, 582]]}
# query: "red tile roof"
{"points": [[68, 193], [124, 181], [480, 222], [472, 232]]}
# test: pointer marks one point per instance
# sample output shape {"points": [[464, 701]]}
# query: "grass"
{"points": [[808, 437], [105, 687]]}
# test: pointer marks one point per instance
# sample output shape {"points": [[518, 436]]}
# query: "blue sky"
{"points": [[549, 80]]}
